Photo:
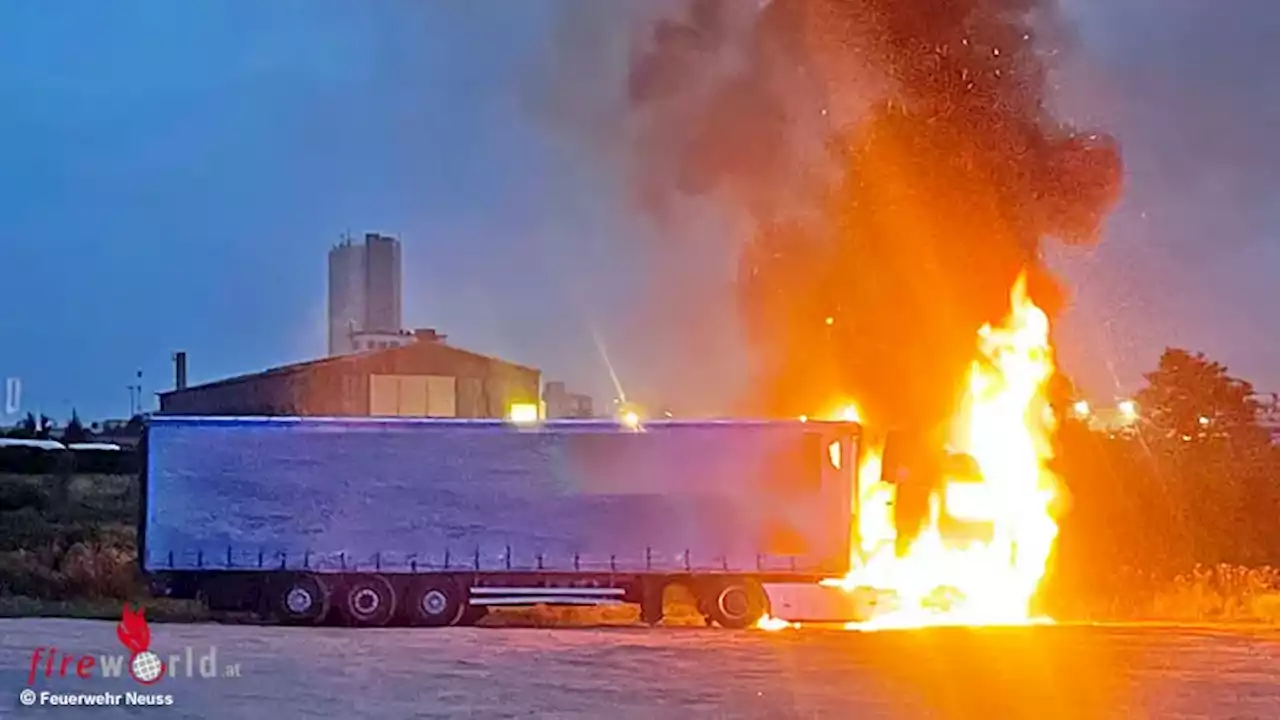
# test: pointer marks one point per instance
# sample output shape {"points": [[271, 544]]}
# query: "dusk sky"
{"points": [[173, 174]]}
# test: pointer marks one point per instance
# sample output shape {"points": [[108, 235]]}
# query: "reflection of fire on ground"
{"points": [[987, 528]]}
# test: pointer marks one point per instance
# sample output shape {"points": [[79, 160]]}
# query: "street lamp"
{"points": [[1128, 410]]}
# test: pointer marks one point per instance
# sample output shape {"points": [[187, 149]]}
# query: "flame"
{"points": [[1005, 426], [133, 631], [851, 413], [773, 624]]}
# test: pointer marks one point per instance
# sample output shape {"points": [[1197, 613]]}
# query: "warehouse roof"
{"points": [[345, 359]]}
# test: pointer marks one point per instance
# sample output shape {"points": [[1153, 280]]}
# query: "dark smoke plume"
{"points": [[900, 165]]}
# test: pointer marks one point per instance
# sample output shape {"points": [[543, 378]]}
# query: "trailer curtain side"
{"points": [[405, 495]]}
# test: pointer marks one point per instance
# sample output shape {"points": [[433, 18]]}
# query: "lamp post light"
{"points": [[1128, 410]]}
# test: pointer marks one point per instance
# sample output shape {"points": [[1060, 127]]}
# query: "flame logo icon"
{"points": [[134, 633]]}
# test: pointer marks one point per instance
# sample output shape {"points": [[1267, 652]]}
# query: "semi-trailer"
{"points": [[432, 522]]}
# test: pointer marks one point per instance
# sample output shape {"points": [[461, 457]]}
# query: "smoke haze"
{"points": [[898, 168]]}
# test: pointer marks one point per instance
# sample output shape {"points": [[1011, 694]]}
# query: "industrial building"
{"points": [[562, 404], [423, 378], [374, 367], [364, 293]]}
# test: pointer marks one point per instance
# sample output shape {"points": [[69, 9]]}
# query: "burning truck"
{"points": [[381, 522], [385, 521], [955, 524]]}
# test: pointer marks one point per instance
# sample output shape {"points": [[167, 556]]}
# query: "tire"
{"points": [[299, 599], [368, 600], [736, 603], [472, 614], [651, 595], [435, 602]]}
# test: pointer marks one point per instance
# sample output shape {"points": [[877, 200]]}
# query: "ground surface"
{"points": [[1046, 672]]}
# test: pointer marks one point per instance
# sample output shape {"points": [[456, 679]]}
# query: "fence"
{"points": [[44, 457]]}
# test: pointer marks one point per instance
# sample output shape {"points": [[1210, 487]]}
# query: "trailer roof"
{"points": [[478, 422]]}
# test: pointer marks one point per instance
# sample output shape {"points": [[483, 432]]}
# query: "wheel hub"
{"points": [[434, 602], [366, 601], [734, 602], [298, 600]]}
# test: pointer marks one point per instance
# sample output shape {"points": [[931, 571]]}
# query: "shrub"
{"points": [[23, 573], [101, 571], [17, 493], [1218, 593], [28, 528]]}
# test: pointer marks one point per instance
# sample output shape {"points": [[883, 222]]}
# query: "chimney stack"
{"points": [[180, 370]]}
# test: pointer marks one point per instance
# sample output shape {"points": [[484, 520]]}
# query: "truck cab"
{"points": [[921, 466], [964, 513]]}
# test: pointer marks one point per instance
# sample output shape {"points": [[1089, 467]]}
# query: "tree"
{"points": [[1216, 460], [74, 432], [1119, 528], [27, 429], [1191, 398], [134, 426], [45, 426]]}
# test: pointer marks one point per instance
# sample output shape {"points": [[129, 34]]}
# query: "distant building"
{"points": [[124, 433], [382, 312], [562, 404], [364, 291], [346, 295], [362, 341], [1269, 413], [424, 378]]}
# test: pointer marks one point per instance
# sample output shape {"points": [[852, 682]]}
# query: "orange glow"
{"points": [[845, 411], [773, 624], [1004, 426], [524, 413]]}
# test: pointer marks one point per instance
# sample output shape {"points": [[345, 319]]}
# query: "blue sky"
{"points": [[172, 175]]}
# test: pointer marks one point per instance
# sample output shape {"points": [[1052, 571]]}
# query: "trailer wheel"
{"points": [[435, 602], [736, 603], [368, 600], [651, 597], [300, 599]]}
